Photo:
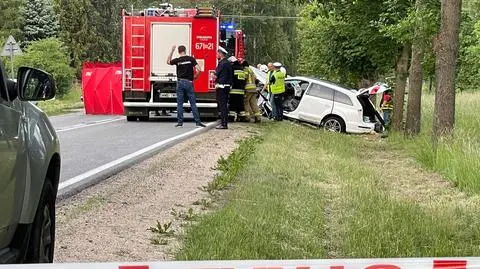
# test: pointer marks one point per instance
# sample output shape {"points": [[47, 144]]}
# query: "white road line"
{"points": [[84, 125], [69, 182]]}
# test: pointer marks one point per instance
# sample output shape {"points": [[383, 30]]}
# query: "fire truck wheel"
{"points": [[143, 118], [131, 118]]}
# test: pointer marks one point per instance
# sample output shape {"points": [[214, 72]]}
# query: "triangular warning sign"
{"points": [[11, 48]]}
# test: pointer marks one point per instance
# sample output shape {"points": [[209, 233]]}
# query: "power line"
{"points": [[261, 17]]}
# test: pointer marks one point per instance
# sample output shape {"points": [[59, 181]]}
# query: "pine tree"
{"points": [[40, 20]]}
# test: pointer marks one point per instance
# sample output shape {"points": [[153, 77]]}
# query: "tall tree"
{"points": [[11, 19], [446, 48], [414, 109], [401, 74], [339, 41], [78, 30], [413, 120], [40, 20]]}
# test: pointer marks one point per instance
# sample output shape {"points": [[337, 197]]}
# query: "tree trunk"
{"points": [[414, 106], [430, 84], [446, 49], [401, 73]]}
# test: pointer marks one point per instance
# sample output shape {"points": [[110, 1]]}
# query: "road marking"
{"points": [[84, 125], [69, 182]]}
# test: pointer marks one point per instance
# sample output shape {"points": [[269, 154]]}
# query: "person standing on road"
{"points": [[251, 94], [223, 80], [277, 88], [187, 71]]}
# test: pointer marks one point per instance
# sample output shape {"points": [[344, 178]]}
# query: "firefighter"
{"points": [[237, 93], [277, 88], [387, 106], [251, 94], [223, 80]]}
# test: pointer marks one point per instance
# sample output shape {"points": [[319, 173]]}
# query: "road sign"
{"points": [[11, 48]]}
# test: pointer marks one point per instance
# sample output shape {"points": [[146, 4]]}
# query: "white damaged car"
{"points": [[328, 105]]}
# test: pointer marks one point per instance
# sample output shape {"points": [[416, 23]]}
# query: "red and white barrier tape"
{"points": [[403, 263]]}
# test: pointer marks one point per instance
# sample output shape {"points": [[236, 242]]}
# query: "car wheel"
{"points": [[42, 238], [334, 124]]}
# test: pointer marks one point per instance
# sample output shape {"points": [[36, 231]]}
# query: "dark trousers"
{"points": [[236, 103], [222, 102], [278, 103]]}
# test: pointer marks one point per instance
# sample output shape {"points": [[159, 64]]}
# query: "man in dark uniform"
{"points": [[223, 75]]}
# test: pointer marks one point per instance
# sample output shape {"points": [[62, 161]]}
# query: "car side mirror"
{"points": [[34, 85]]}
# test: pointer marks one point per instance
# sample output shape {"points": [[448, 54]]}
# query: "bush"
{"points": [[51, 56]]}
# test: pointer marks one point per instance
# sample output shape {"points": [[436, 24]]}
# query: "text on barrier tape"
{"points": [[403, 263]]}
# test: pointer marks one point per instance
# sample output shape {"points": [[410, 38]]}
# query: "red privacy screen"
{"points": [[102, 88]]}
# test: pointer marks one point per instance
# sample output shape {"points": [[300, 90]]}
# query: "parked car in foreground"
{"points": [[29, 169], [330, 106]]}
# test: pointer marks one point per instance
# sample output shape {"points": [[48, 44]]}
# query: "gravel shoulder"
{"points": [[110, 221]]}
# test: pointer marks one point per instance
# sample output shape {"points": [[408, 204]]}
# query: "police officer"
{"points": [[223, 80], [277, 88], [237, 93]]}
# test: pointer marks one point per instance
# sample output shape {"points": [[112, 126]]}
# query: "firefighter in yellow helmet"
{"points": [[251, 94], [277, 89]]}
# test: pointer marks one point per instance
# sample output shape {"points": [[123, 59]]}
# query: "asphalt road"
{"points": [[88, 142]]}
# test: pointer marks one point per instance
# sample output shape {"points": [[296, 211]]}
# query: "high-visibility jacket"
{"points": [[250, 86], [269, 75], [279, 85], [239, 80], [387, 102]]}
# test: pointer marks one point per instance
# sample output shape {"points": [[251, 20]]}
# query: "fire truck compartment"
{"points": [[164, 36]]}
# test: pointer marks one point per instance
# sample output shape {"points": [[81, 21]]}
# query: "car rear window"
{"points": [[321, 91], [343, 98]]}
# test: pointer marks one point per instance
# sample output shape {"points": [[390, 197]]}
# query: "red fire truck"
{"points": [[148, 81]]}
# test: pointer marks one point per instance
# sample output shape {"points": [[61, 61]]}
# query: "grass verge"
{"points": [[230, 166], [456, 158], [66, 104], [308, 194]]}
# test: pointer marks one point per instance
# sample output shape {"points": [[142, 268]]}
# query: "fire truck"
{"points": [[149, 83]]}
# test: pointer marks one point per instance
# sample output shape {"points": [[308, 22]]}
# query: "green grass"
{"points": [[309, 194], [65, 104], [457, 158]]}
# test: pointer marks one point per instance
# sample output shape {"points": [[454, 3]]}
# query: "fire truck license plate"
{"points": [[168, 95]]}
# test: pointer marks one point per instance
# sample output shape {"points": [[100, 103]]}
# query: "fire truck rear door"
{"points": [[164, 36]]}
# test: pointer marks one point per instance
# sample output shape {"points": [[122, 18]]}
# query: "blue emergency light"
{"points": [[230, 26]]}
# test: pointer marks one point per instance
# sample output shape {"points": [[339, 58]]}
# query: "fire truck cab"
{"points": [[149, 83]]}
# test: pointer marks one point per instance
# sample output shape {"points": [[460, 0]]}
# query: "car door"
{"points": [[11, 185], [316, 103]]}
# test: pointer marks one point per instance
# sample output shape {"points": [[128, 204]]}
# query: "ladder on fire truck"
{"points": [[137, 51]]}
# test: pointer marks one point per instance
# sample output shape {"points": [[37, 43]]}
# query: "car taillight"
{"points": [[211, 79], [128, 79]]}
